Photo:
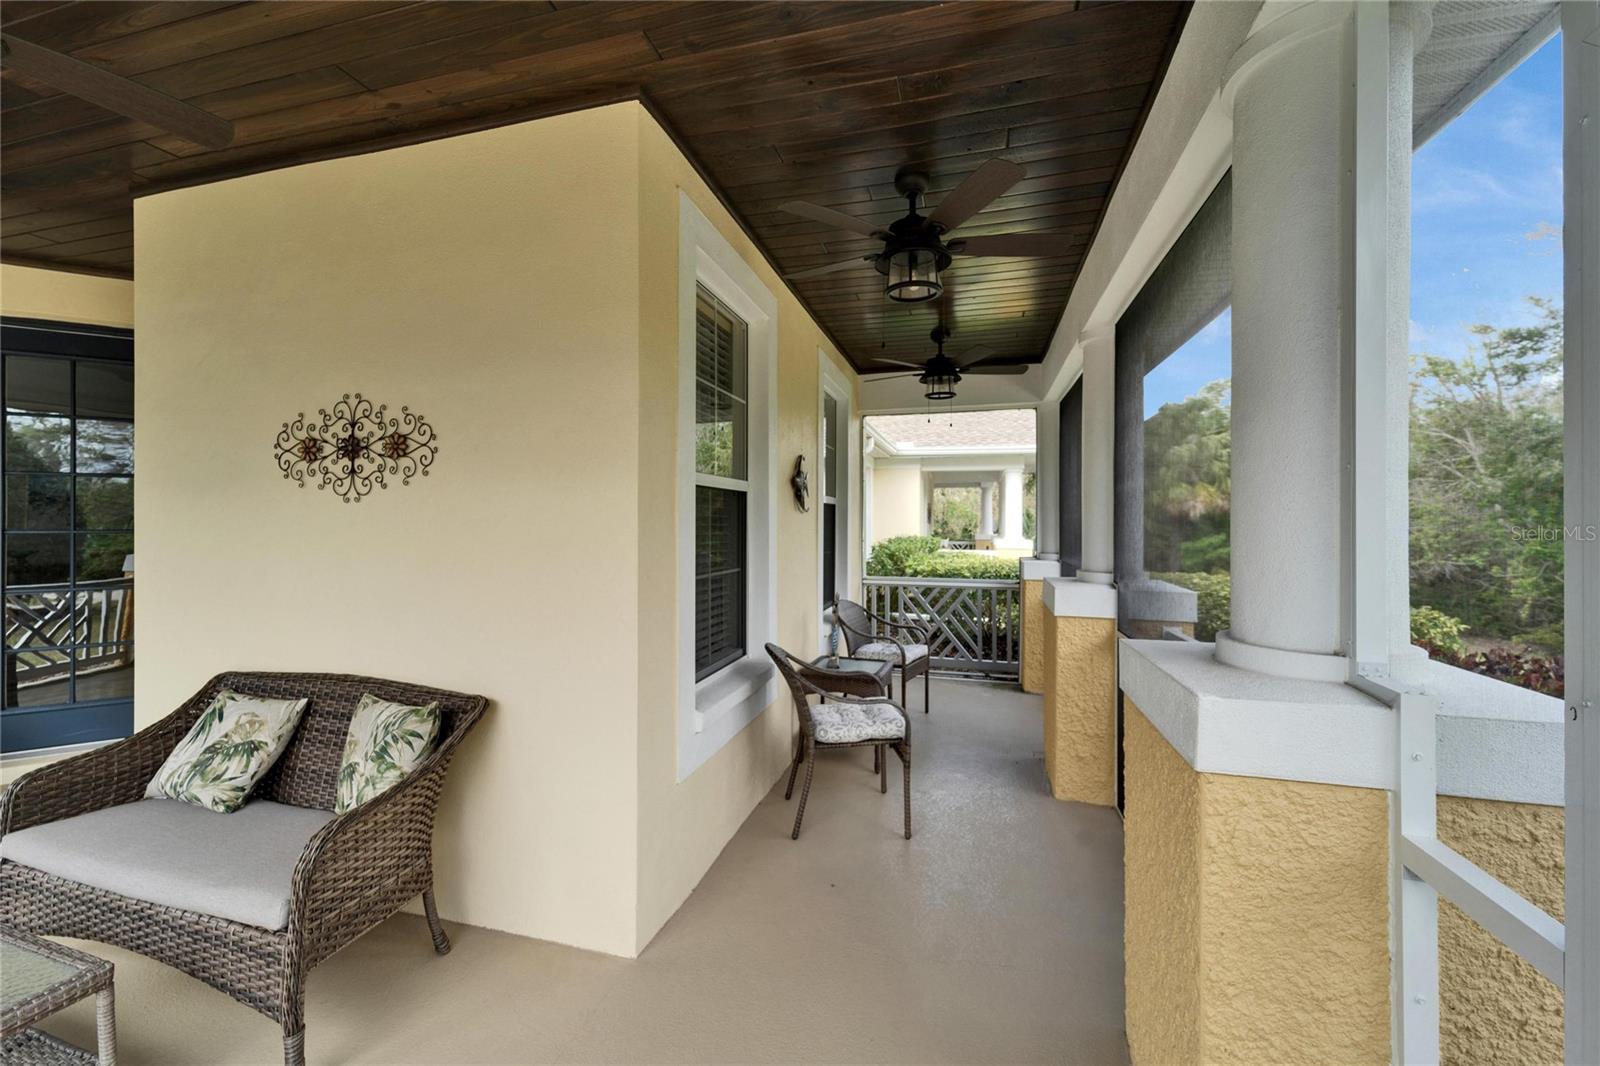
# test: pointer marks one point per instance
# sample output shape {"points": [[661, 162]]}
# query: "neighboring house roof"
{"points": [[956, 431]]}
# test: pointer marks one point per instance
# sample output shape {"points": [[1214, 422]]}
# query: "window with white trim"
{"points": [[830, 497], [721, 494], [727, 490]]}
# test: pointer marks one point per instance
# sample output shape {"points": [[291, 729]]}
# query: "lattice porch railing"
{"points": [[977, 625]]}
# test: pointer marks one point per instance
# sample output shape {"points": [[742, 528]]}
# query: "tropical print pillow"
{"points": [[227, 750], [385, 743]]}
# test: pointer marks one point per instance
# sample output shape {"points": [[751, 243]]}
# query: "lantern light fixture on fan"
{"points": [[941, 373], [915, 249]]}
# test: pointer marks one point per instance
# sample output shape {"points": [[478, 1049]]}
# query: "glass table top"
{"points": [[26, 973], [854, 666]]}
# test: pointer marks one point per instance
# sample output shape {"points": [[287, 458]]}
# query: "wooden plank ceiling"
{"points": [[772, 101]]}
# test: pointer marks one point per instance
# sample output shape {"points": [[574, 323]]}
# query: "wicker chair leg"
{"points": [[794, 767], [883, 767], [800, 813], [905, 760], [441, 942], [927, 689], [877, 757], [294, 1048]]}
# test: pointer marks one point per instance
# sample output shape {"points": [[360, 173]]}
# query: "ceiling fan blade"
{"points": [[898, 362], [973, 195], [116, 93], [828, 216], [888, 375], [814, 272], [975, 355], [1012, 244], [1013, 368]]}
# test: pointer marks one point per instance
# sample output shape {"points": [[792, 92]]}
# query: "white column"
{"points": [[1047, 482], [927, 504], [986, 511], [1291, 262], [1011, 510], [1099, 475]]}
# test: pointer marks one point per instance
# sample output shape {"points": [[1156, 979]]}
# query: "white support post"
{"points": [[1367, 381], [986, 511], [1416, 945], [1580, 31], [1099, 475], [1011, 510], [1047, 482]]}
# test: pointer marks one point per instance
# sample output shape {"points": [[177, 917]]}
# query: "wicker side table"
{"points": [[39, 977], [851, 677]]}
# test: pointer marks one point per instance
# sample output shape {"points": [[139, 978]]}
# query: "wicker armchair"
{"points": [[912, 654], [356, 870], [851, 722]]}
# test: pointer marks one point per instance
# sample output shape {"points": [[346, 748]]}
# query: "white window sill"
{"points": [[738, 689]]}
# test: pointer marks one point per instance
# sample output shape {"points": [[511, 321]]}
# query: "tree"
{"points": [[1486, 482], [1187, 457], [955, 513]]}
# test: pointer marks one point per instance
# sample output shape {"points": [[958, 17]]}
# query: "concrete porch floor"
{"points": [[994, 935]]}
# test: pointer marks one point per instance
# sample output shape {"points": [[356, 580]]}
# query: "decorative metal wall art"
{"points": [[355, 447], [801, 484]]}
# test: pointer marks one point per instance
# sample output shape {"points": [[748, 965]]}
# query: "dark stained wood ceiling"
{"points": [[817, 101]]}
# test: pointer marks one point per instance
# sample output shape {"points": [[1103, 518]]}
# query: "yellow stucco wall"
{"points": [[1493, 1006], [28, 292], [1079, 688], [1256, 916], [1033, 636], [519, 287], [1161, 898], [489, 281]]}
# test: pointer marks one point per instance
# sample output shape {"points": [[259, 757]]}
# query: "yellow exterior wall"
{"points": [[683, 826], [1493, 1006], [28, 292], [1080, 694], [1256, 914], [1033, 636], [489, 281], [896, 501], [519, 287]]}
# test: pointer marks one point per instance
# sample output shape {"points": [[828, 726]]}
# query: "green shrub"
{"points": [[1215, 595], [891, 557], [1437, 630], [964, 564]]}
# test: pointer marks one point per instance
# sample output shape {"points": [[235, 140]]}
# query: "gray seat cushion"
{"points": [[235, 866]]}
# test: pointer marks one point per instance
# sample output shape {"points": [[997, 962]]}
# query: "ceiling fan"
{"points": [[915, 248], [941, 373], [115, 93]]}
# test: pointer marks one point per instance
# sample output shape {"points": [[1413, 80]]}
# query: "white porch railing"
{"points": [[1425, 868], [977, 625], [42, 622]]}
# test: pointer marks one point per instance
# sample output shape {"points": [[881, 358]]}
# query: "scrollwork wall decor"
{"points": [[355, 447]]}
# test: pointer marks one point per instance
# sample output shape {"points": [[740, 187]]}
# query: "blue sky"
{"points": [[1485, 227]]}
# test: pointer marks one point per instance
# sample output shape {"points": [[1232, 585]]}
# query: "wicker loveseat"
{"points": [[353, 871]]}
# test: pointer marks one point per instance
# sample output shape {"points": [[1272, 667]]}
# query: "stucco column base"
{"points": [[1034, 573], [1147, 608], [1080, 691], [1096, 577], [1256, 918]]}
